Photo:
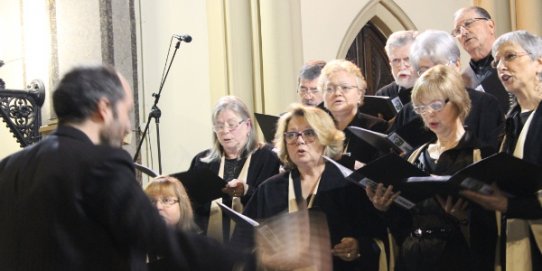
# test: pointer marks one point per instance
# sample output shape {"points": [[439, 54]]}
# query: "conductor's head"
{"points": [[96, 100]]}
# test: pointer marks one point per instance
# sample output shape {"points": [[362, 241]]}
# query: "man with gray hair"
{"points": [[307, 81], [397, 48], [475, 31]]}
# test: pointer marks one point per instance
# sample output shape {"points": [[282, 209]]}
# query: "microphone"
{"points": [[185, 38]]}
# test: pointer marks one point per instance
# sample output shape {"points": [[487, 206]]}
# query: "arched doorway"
{"points": [[366, 37], [367, 51]]}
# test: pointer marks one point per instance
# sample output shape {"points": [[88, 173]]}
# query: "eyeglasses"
{"points": [[344, 88], [509, 56], [467, 24], [167, 202], [397, 61], [435, 106], [230, 125], [308, 135], [306, 90]]}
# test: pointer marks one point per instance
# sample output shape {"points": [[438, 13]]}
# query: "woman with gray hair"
{"points": [[238, 158], [518, 60], [304, 136]]}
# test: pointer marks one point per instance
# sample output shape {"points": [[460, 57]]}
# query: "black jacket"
{"points": [[68, 204]]}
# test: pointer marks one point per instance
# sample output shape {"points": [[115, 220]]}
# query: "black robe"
{"points": [[339, 200], [448, 251], [68, 204], [528, 207], [393, 90], [263, 164]]}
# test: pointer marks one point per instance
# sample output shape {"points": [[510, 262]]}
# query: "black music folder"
{"points": [[391, 169], [514, 176], [238, 217], [381, 105], [268, 125], [403, 140], [202, 185], [146, 170], [358, 178]]}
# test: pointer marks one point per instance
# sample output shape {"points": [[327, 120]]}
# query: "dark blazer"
{"points": [[67, 204]]}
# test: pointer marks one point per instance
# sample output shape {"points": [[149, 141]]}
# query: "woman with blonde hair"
{"points": [[304, 136], [170, 198]]}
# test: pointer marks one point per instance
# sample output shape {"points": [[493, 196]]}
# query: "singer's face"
{"points": [[117, 122], [170, 213], [342, 93], [233, 132], [309, 93], [402, 71], [304, 151]]}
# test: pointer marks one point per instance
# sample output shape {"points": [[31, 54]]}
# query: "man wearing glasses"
{"points": [[475, 31], [307, 87], [397, 48]]}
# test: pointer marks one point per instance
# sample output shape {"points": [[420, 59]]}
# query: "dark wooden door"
{"points": [[367, 51]]}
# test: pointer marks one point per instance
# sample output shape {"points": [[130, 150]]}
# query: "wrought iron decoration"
{"points": [[21, 111]]}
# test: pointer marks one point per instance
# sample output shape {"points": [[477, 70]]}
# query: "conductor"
{"points": [[71, 201]]}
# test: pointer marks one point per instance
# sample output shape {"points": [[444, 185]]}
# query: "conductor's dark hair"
{"points": [[76, 96]]}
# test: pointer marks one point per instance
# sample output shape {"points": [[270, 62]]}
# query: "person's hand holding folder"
{"points": [[495, 201], [234, 188], [381, 197], [457, 208]]}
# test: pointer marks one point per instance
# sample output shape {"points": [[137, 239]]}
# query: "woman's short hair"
{"points": [[438, 46], [238, 107], [531, 43], [167, 186], [337, 65], [322, 124], [442, 82]]}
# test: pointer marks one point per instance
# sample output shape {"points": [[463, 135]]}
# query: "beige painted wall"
{"points": [[185, 126], [326, 28], [323, 33]]}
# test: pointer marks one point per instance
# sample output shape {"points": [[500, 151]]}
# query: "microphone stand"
{"points": [[156, 113]]}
